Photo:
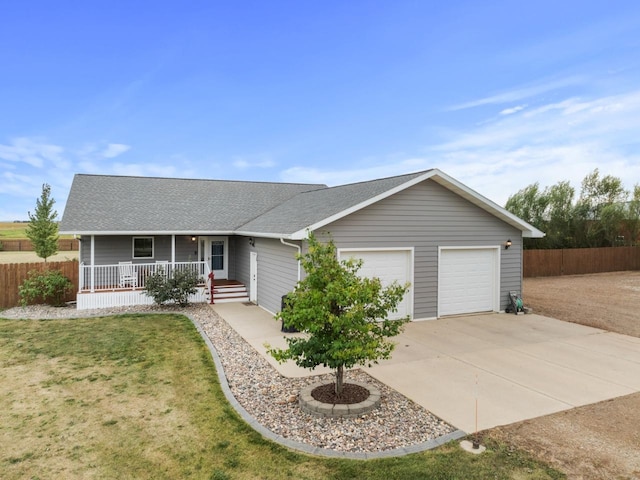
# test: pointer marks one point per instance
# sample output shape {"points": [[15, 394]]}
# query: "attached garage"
{"points": [[388, 265], [468, 280]]}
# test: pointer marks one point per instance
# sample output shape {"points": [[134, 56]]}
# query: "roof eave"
{"points": [[528, 231], [286, 236], [303, 233], [146, 232]]}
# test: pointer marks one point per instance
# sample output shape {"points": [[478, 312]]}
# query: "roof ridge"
{"points": [[262, 182], [410, 174]]}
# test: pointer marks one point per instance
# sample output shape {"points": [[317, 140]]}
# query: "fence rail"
{"points": [[106, 277], [131, 276], [24, 245], [13, 274], [577, 261]]}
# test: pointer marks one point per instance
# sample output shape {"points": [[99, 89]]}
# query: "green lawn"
{"points": [[137, 396]]}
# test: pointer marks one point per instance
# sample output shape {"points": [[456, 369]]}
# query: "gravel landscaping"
{"points": [[273, 399]]}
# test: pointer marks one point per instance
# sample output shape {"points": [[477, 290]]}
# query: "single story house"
{"points": [[461, 252]]}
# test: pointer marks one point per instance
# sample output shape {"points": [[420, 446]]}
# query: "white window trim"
{"points": [[133, 247]]}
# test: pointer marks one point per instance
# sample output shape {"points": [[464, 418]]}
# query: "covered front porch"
{"points": [[114, 269]]}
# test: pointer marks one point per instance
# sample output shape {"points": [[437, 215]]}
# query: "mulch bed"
{"points": [[350, 394]]}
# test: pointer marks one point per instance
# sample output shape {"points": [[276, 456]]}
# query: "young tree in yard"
{"points": [[43, 229], [344, 316]]}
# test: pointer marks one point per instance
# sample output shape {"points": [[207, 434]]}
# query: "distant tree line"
{"points": [[604, 214]]}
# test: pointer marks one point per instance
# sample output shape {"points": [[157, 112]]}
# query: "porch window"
{"points": [[142, 247]]}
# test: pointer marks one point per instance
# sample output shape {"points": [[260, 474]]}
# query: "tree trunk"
{"points": [[339, 380]]}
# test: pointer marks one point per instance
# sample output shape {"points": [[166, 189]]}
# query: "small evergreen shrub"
{"points": [[176, 288], [49, 287]]}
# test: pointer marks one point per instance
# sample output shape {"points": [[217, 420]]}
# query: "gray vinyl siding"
{"points": [[277, 272], [425, 217], [241, 249], [119, 248]]}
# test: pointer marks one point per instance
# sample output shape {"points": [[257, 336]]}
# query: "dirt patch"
{"points": [[610, 301], [600, 440]]}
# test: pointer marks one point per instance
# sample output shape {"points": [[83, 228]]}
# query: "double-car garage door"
{"points": [[468, 278]]}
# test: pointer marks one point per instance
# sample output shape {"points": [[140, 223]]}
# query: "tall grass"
{"points": [[17, 231]]}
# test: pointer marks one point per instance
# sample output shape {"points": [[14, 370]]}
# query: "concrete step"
{"points": [[234, 289], [230, 293], [230, 300]]}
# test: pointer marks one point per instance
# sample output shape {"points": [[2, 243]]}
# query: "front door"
{"points": [[215, 250]]}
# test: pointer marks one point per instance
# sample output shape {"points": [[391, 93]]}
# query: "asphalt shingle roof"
{"points": [[100, 204], [309, 208], [113, 204]]}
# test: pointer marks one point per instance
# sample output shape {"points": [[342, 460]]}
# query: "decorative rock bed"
{"points": [[338, 410]]}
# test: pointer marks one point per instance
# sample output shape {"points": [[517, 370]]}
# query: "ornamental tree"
{"points": [[345, 317], [43, 229]]}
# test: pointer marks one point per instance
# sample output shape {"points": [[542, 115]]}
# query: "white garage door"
{"points": [[467, 281], [387, 265]]}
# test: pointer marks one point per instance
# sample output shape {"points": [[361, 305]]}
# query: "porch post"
{"points": [[93, 258], [80, 264], [173, 251]]}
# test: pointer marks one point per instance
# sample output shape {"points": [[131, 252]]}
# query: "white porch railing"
{"points": [[133, 276]]}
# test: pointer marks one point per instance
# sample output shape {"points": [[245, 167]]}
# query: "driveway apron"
{"points": [[481, 371]]}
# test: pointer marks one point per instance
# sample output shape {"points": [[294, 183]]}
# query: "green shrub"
{"points": [[49, 287], [176, 288]]}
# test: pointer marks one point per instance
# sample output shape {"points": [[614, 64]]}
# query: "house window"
{"points": [[142, 247]]}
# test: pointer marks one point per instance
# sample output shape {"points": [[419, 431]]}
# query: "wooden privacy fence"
{"points": [[575, 261], [23, 245], [13, 274]]}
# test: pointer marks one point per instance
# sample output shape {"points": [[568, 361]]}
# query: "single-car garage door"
{"points": [[468, 280], [387, 265]]}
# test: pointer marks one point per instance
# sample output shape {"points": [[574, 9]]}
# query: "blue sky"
{"points": [[497, 94]]}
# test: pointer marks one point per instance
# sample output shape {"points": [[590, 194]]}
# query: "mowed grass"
{"points": [[137, 396]]}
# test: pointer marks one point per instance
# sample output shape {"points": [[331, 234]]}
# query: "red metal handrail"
{"points": [[211, 278]]}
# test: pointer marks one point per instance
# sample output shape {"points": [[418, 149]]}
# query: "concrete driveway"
{"points": [[513, 367]]}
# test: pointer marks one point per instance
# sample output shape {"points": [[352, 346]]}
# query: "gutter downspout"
{"points": [[299, 252]]}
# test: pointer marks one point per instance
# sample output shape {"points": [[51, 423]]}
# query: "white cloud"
{"points": [[32, 152], [341, 177], [243, 163], [512, 110], [559, 141], [115, 149], [19, 185], [521, 93]]}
